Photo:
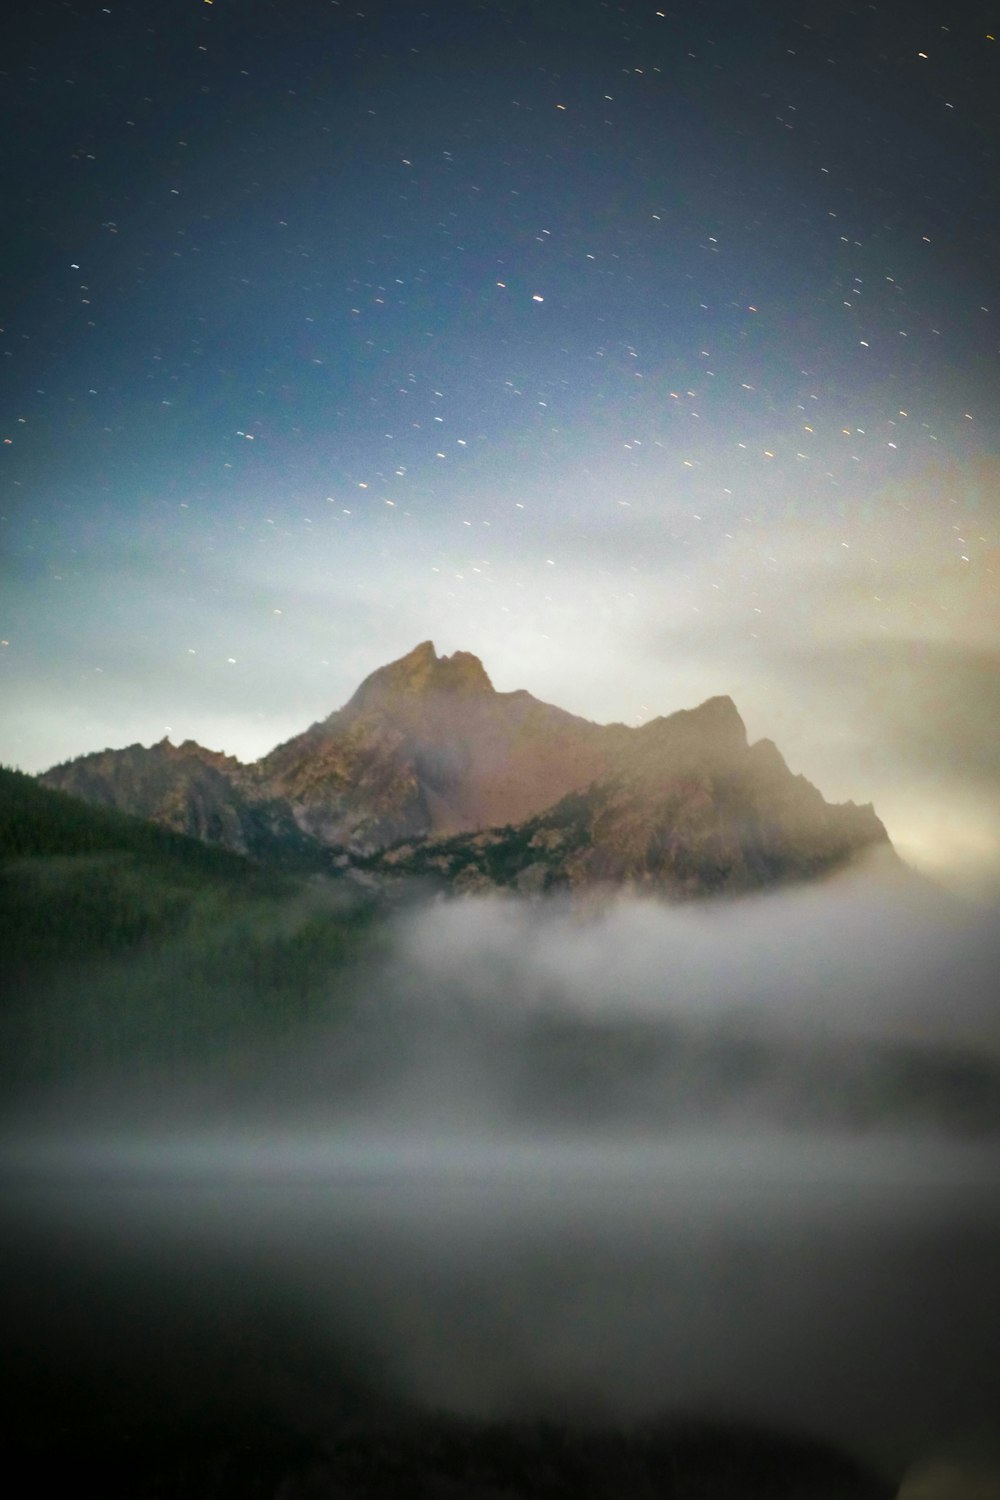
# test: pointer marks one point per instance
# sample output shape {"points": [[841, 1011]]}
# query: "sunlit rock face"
{"points": [[427, 746], [427, 750], [686, 807]]}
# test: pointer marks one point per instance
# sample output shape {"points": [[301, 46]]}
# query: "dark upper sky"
{"points": [[648, 350]]}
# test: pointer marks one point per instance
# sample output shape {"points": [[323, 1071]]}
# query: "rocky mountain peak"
{"points": [[716, 716], [713, 729], [422, 673], [767, 758], [188, 752], [464, 672]]}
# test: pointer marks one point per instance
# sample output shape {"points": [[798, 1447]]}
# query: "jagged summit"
{"points": [[427, 750], [714, 729], [187, 750], [428, 746], [717, 715], [422, 672]]}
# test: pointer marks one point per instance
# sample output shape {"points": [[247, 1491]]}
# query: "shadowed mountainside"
{"points": [[197, 792]]}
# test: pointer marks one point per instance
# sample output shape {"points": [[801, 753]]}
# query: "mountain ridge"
{"points": [[427, 751]]}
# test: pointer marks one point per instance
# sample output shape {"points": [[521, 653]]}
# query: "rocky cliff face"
{"points": [[428, 746], [427, 758]]}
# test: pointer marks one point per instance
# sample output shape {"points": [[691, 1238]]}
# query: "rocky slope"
{"points": [[429, 770], [201, 793], [688, 808], [428, 746]]}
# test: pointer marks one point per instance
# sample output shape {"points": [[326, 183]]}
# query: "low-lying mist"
{"points": [[548, 1160]]}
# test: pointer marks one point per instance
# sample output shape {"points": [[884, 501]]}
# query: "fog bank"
{"points": [[589, 1164]]}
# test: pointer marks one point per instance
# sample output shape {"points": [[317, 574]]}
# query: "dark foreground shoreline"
{"points": [[436, 1457]]}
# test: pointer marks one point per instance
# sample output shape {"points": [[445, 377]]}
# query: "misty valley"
{"points": [[640, 1144]]}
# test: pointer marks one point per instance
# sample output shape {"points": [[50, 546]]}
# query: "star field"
{"points": [[649, 351]]}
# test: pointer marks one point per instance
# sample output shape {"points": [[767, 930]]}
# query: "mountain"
{"points": [[427, 746], [200, 793], [37, 823], [429, 770], [689, 808]]}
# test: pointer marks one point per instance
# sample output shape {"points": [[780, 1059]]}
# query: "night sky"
{"points": [[647, 350]]}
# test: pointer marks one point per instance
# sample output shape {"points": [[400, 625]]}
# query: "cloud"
{"points": [[858, 955], [477, 1198]]}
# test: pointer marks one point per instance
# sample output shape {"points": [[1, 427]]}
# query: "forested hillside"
{"points": [[125, 946]]}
